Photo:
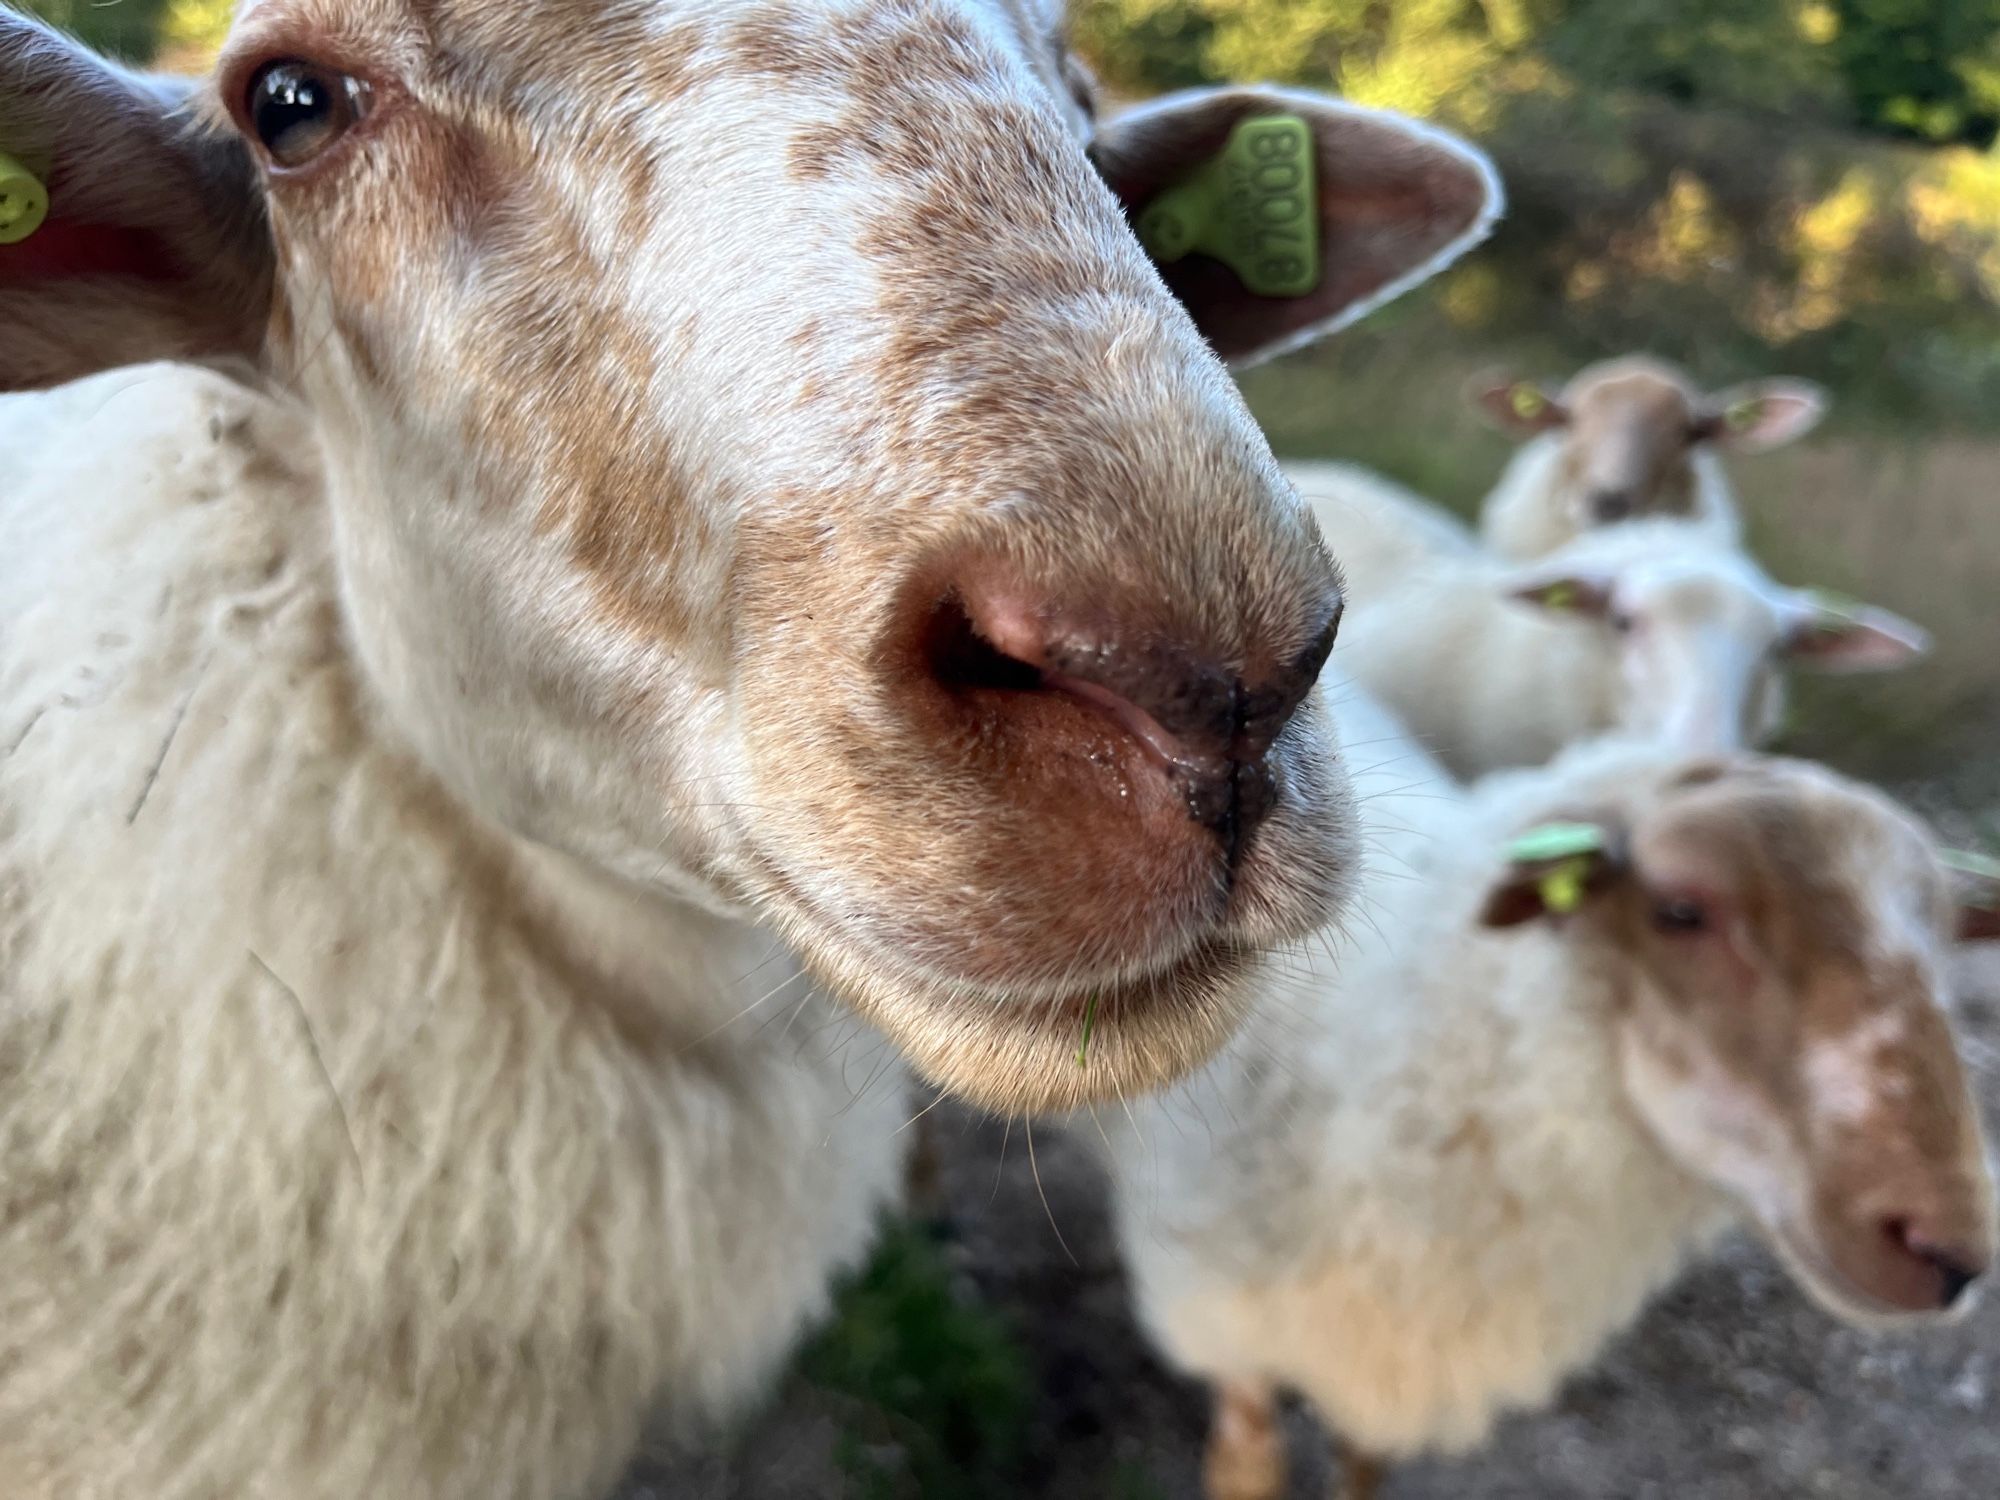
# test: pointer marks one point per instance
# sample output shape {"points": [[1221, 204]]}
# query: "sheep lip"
{"points": [[1162, 746], [1841, 1295]]}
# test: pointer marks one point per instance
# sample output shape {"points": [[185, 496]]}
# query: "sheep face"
{"points": [[1632, 431], [1776, 934], [764, 464], [1701, 636]]}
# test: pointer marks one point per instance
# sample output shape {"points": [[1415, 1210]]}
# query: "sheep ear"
{"points": [[1279, 216], [153, 245], [1550, 872], [1977, 878], [1570, 591], [1832, 634], [1763, 415], [1520, 408]]}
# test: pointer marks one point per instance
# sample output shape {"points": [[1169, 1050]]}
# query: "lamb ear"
{"points": [[1977, 879], [154, 245], [1309, 240], [1831, 634], [1584, 592], [1551, 871], [1764, 414], [1520, 408]]}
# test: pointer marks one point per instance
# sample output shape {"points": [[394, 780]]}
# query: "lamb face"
{"points": [[1631, 439], [765, 464], [1777, 936]]}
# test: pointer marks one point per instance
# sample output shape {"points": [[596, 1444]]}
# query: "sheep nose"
{"points": [[1955, 1270], [1195, 715], [1610, 505]]}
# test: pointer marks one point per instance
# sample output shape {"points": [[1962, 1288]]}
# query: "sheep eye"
{"points": [[1623, 623], [298, 109], [1680, 915]]}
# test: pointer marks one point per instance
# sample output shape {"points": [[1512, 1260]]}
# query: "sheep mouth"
{"points": [[1093, 1044]]}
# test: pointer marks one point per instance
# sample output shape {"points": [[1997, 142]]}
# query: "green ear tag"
{"points": [[1528, 403], [1744, 414], [24, 202], [1556, 841], [1559, 596], [1254, 207], [1968, 863]]}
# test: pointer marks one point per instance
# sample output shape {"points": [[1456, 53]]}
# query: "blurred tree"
{"points": [[1925, 68], [128, 29]]}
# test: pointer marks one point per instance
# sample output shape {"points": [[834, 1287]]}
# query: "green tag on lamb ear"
{"points": [[1559, 596], [1556, 841], [1968, 863], [1254, 206], [1744, 414]]}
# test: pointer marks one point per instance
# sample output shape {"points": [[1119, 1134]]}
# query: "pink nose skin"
{"points": [[1947, 1273], [1196, 717]]}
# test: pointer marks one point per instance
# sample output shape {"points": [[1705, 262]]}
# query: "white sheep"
{"points": [[1625, 439], [1465, 1141], [414, 787], [1649, 627]]}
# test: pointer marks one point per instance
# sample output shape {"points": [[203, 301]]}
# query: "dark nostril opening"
{"points": [[961, 659], [1611, 505], [1955, 1276]]}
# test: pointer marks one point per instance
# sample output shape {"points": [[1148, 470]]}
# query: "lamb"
{"points": [[1600, 1012], [726, 483], [1648, 627], [1629, 438]]}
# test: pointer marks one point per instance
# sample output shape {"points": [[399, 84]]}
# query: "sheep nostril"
{"points": [[1608, 506], [1189, 708], [1956, 1274]]}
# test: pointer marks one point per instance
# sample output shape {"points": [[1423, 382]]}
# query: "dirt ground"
{"points": [[1732, 1387]]}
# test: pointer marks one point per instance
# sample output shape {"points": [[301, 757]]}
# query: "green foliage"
{"points": [[942, 1382], [128, 29]]}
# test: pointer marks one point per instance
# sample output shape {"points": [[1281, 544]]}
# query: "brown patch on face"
{"points": [[1813, 992], [1631, 432]]}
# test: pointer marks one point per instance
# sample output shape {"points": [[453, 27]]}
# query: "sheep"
{"points": [[1598, 1013], [1647, 627], [715, 593], [1629, 438]]}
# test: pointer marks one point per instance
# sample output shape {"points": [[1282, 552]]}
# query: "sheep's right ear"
{"points": [[1278, 216], [1520, 408], [1550, 872], [154, 245]]}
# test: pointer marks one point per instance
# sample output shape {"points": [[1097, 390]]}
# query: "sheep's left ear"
{"points": [[1279, 216], [1550, 872], [1830, 634], [1977, 879], [1763, 415]]}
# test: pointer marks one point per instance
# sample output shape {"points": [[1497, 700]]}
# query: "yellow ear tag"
{"points": [[1562, 887], [24, 202], [1744, 414], [1572, 846], [1254, 206], [1528, 402], [1559, 596]]}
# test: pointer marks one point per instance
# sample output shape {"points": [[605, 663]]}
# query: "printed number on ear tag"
{"points": [[1254, 206], [24, 202]]}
